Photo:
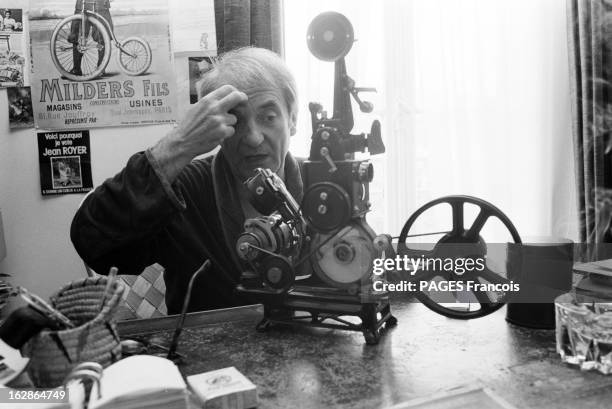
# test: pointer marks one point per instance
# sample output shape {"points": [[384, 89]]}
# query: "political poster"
{"points": [[65, 162]]}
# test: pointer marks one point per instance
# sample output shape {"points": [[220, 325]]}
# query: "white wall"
{"points": [[40, 255]]}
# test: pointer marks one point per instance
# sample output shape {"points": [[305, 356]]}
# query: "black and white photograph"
{"points": [[325, 204], [20, 107], [12, 20], [66, 172], [13, 45], [198, 67]]}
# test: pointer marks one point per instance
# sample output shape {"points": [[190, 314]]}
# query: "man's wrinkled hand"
{"points": [[209, 121], [204, 127]]}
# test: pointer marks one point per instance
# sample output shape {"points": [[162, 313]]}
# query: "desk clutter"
{"points": [[71, 343], [151, 382]]}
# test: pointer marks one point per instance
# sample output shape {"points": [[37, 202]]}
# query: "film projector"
{"points": [[311, 263]]}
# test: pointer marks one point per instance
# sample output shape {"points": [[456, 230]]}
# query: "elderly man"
{"points": [[169, 207]]}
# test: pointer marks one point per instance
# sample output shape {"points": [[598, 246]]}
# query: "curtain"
{"points": [[241, 23], [473, 96], [590, 40]]}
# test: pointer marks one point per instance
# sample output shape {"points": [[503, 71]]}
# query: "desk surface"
{"points": [[425, 353]]}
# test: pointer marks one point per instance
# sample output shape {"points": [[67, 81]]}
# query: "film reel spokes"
{"points": [[459, 291]]}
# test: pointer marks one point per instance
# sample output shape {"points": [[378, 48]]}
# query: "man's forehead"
{"points": [[264, 98], [259, 94]]}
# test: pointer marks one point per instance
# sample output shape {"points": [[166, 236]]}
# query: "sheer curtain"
{"points": [[473, 96]]}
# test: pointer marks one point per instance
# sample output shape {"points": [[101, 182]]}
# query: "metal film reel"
{"points": [[460, 242], [347, 258], [330, 36]]}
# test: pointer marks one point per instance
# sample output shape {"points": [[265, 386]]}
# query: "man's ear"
{"points": [[293, 123]]}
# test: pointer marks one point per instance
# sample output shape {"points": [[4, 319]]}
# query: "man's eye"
{"points": [[269, 117]]}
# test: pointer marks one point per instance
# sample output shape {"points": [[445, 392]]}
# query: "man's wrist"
{"points": [[170, 156]]}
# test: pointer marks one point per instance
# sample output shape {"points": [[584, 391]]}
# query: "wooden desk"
{"points": [[424, 354]]}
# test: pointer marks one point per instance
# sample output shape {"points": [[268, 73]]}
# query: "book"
{"points": [[140, 381]]}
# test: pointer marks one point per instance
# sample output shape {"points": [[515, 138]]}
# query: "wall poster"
{"points": [[13, 44], [20, 107], [193, 27], [65, 162], [101, 63]]}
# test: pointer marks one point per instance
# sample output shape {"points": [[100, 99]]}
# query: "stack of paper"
{"points": [[140, 381]]}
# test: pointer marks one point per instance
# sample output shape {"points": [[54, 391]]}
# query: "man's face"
{"points": [[262, 133]]}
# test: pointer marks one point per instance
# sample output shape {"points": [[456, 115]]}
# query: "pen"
{"points": [[111, 279]]}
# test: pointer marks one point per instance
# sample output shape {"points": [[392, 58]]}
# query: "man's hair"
{"points": [[250, 67]]}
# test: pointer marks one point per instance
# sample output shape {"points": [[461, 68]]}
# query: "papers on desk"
{"points": [[461, 398], [140, 381]]}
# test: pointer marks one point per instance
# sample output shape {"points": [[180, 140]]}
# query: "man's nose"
{"points": [[254, 135]]}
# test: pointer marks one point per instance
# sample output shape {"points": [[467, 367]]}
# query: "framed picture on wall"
{"points": [[13, 45], [198, 66], [20, 107], [193, 27]]}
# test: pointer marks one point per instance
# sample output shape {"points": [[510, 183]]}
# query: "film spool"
{"points": [[330, 36]]}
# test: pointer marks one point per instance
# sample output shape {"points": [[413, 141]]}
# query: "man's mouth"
{"points": [[256, 158]]}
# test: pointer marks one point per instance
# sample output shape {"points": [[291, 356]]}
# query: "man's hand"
{"points": [[204, 127]]}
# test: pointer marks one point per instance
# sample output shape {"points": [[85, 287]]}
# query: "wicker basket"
{"points": [[53, 354]]}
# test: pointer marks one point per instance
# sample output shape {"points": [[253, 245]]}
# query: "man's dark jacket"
{"points": [[137, 218]]}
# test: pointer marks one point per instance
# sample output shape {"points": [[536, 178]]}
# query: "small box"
{"points": [[225, 388]]}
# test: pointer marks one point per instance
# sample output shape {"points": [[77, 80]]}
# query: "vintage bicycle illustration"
{"points": [[81, 46]]}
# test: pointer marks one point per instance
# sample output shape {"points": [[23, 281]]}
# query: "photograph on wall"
{"points": [[193, 27], [65, 162], [13, 45], [12, 20], [20, 107], [101, 63], [198, 66], [66, 172]]}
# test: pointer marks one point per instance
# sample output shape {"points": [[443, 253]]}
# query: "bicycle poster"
{"points": [[100, 63], [65, 162]]}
